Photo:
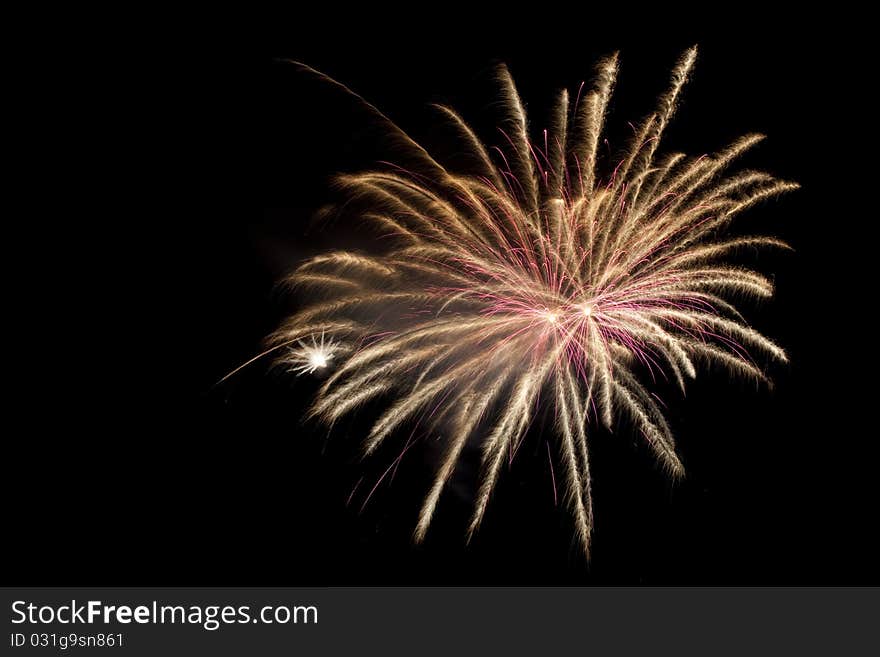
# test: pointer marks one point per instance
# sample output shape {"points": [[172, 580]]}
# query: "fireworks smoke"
{"points": [[539, 283]]}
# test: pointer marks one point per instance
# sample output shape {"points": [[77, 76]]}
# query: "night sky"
{"points": [[151, 474]]}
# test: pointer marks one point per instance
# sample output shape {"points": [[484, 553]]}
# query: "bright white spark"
{"points": [[309, 358]]}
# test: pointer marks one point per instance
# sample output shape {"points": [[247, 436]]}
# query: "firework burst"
{"points": [[538, 277]]}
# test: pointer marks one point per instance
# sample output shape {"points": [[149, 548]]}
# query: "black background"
{"points": [[134, 468]]}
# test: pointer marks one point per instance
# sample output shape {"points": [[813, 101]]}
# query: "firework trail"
{"points": [[538, 278]]}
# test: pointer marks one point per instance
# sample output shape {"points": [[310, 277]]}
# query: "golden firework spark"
{"points": [[537, 277]]}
